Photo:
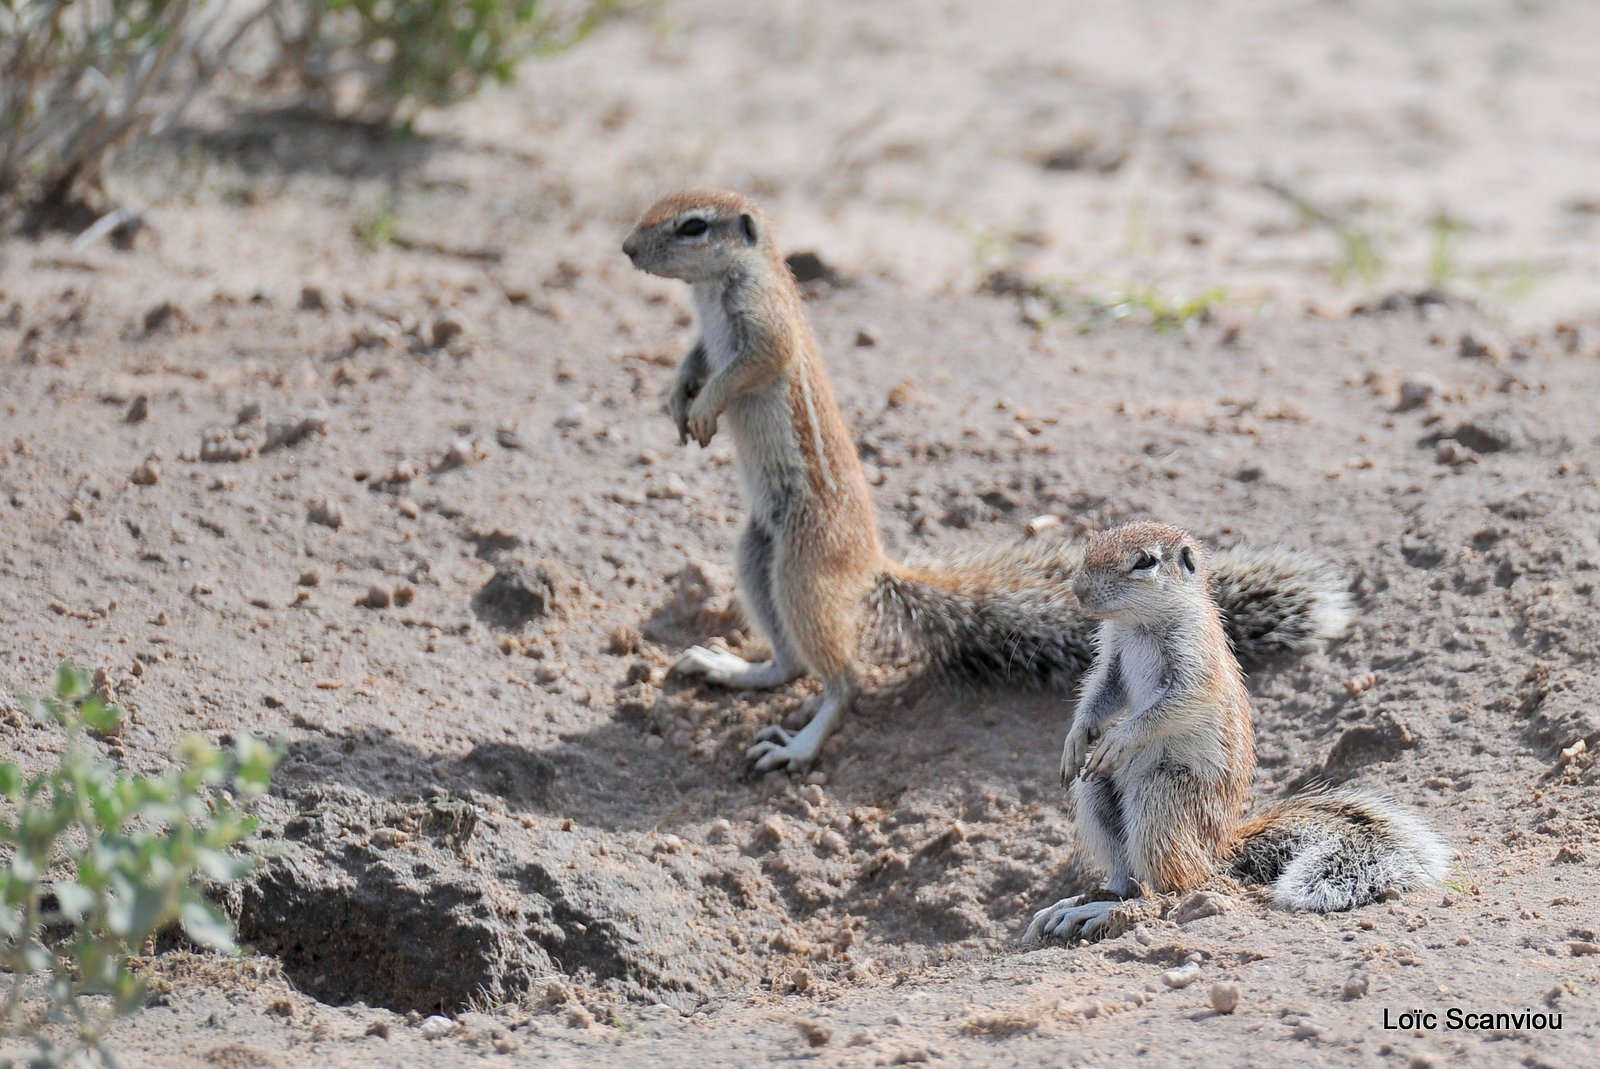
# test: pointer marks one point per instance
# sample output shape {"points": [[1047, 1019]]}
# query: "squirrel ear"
{"points": [[1186, 557], [747, 228]]}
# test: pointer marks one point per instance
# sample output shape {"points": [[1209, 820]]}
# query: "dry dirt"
{"points": [[416, 509]]}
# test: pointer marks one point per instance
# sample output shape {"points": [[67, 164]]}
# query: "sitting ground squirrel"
{"points": [[1161, 753], [811, 572]]}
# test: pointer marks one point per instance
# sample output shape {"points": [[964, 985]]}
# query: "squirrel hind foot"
{"points": [[777, 749], [727, 669]]}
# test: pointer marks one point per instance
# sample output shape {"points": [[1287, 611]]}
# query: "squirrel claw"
{"points": [[702, 422], [771, 751], [1070, 920], [1112, 753], [1073, 754]]}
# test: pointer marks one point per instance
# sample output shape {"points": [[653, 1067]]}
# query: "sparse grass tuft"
{"points": [[1163, 312], [1443, 231], [376, 229], [1358, 256]]}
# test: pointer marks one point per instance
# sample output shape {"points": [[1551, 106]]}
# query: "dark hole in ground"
{"points": [[384, 938], [427, 905], [520, 591]]}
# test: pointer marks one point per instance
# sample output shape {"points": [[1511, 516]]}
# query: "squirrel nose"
{"points": [[630, 247], [1080, 587]]}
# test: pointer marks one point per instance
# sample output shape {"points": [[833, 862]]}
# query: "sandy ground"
{"points": [[416, 508]]}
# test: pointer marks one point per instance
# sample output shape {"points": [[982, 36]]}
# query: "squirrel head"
{"points": [[1138, 572], [699, 235]]}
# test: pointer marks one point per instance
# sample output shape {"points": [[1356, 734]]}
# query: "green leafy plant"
{"points": [[99, 861], [383, 60]]}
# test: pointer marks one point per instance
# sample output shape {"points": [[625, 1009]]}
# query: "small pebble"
{"points": [[1355, 987], [1224, 997], [148, 473], [1040, 524], [327, 512], [462, 452], [1414, 394], [815, 1033], [436, 1027], [378, 596], [403, 472], [447, 327], [1182, 976], [670, 488]]}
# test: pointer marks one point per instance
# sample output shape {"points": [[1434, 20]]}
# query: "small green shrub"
{"points": [[99, 861], [384, 60], [82, 77]]}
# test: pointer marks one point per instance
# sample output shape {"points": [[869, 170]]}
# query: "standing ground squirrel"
{"points": [[1161, 754], [811, 572]]}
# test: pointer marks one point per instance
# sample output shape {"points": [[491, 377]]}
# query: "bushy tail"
{"points": [[1001, 616], [1009, 616], [1335, 850], [1278, 600]]}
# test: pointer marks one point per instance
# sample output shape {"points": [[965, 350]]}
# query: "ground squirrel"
{"points": [[1161, 753], [811, 572]]}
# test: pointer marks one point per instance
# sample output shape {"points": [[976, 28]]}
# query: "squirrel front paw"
{"points": [[1071, 920], [1115, 750], [702, 422], [678, 403], [1074, 750]]}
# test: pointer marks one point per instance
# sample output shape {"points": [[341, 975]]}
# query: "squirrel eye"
{"points": [[1143, 562], [692, 228]]}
